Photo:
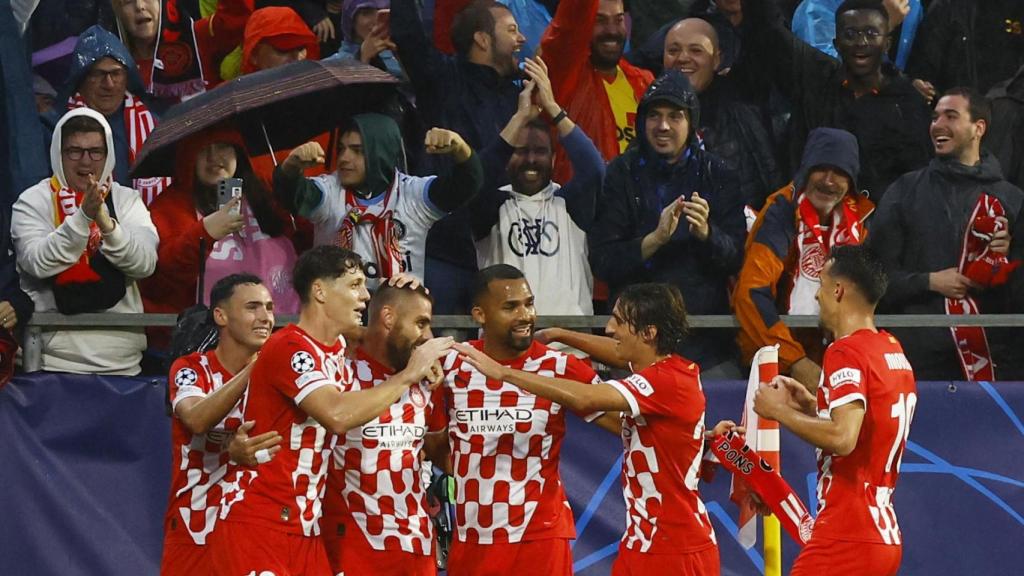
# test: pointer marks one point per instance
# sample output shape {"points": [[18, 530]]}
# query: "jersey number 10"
{"points": [[903, 412]]}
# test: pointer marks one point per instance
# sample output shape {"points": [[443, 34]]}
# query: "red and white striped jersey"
{"points": [[285, 493], [375, 484], [198, 461], [663, 440], [855, 491], [505, 444]]}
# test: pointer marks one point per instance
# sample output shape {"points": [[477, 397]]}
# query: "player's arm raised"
{"points": [[837, 435], [199, 415], [340, 411], [583, 398]]}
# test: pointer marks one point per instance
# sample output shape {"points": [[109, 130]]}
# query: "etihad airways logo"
{"points": [[492, 420], [394, 436]]}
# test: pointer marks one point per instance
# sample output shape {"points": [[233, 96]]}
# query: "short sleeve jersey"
{"points": [[505, 445], [375, 484], [285, 493], [855, 491], [407, 204], [663, 442], [199, 461]]}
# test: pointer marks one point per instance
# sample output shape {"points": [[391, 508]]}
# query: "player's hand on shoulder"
{"points": [[482, 362], [424, 363]]}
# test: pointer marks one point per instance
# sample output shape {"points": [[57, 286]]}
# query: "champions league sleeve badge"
{"points": [[302, 362], [186, 377]]}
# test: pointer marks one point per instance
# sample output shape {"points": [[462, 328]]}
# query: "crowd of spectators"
{"points": [[722, 146]]}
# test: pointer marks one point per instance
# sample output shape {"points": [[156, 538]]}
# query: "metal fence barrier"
{"points": [[48, 321]]}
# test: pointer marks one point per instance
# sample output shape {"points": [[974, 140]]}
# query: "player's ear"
{"points": [[318, 291], [649, 334], [219, 317], [840, 291], [387, 316], [478, 315]]}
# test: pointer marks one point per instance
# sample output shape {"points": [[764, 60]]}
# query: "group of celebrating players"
{"points": [[296, 455]]}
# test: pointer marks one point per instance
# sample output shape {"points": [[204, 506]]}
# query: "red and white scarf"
{"points": [[979, 263], [384, 233], [138, 123], [65, 203], [814, 242]]}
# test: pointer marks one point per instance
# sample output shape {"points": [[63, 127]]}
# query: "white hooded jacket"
{"points": [[537, 235], [45, 250]]}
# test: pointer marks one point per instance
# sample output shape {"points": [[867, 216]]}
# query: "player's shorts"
{"points": [[185, 558], [548, 557], [700, 563], [350, 554], [238, 548], [838, 558]]}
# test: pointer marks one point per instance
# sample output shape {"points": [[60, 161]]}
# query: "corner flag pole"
{"points": [[768, 447]]}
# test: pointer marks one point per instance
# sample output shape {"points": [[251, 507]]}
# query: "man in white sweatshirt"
{"points": [[82, 243], [532, 223]]}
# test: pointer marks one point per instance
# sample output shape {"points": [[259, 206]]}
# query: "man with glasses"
{"points": [[860, 92], [103, 77], [83, 241]]}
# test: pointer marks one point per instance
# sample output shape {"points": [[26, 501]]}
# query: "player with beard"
{"points": [[375, 512], [511, 513], [602, 91], [206, 389], [270, 515], [859, 421], [668, 530]]}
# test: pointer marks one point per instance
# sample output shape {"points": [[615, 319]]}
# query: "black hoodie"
{"points": [[918, 229], [638, 185]]}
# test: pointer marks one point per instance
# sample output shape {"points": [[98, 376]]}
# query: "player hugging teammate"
{"points": [[328, 475]]}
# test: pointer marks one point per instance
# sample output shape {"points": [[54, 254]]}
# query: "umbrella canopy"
{"points": [[293, 103]]}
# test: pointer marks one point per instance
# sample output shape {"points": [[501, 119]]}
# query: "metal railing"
{"points": [[47, 321]]}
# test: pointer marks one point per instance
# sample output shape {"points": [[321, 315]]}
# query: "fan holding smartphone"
{"points": [[366, 28], [229, 189], [218, 216]]}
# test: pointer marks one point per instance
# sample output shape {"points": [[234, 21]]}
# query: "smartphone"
{"points": [[384, 18], [227, 189]]}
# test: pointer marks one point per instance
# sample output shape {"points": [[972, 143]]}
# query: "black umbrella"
{"points": [[291, 103]]}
